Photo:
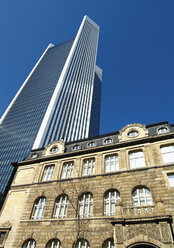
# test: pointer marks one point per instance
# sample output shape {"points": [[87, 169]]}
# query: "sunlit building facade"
{"points": [[60, 99]]}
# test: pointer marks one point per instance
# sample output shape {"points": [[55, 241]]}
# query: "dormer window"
{"points": [[54, 149], [132, 134], [91, 144], [108, 141], [76, 147], [162, 130], [34, 155]]}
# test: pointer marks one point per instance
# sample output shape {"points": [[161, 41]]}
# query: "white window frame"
{"points": [[82, 243], [86, 205], [162, 130], [54, 243], [31, 243], [108, 141], [76, 147], [133, 134], [111, 163], [67, 169], [61, 205], [145, 196], [109, 243], [110, 201], [170, 177], [48, 173], [167, 152], [39, 208], [136, 159], [88, 166]]}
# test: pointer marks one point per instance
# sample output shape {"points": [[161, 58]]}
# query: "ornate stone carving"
{"points": [[119, 234], [141, 129], [59, 148], [165, 232], [151, 230]]}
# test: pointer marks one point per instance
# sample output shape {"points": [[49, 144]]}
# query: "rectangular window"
{"points": [[48, 173], [111, 163], [168, 153], [171, 179], [88, 167], [136, 159], [67, 170]]}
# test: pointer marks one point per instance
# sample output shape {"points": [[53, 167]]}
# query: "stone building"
{"points": [[114, 190]]}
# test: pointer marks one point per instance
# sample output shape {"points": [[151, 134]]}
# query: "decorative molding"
{"points": [[141, 129], [60, 145]]}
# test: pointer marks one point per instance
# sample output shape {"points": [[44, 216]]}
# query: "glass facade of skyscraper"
{"points": [[56, 101]]}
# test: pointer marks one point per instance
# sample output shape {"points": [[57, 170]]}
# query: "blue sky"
{"points": [[136, 52]]}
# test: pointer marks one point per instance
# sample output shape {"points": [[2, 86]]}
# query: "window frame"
{"points": [[76, 147], [58, 207], [92, 144], [88, 167], [55, 245], [162, 127], [110, 201], [139, 198], [81, 245], [167, 159], [45, 167], [134, 151], [116, 162], [85, 200], [67, 169], [29, 240], [105, 243], [39, 207]]}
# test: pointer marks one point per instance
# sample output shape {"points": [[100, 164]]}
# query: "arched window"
{"points": [[88, 166], [39, 208], [109, 243], [141, 197], [76, 147], [61, 207], [162, 130], [111, 163], [91, 144], [108, 141], [168, 153], [53, 243], [30, 243], [48, 173], [136, 159], [110, 199], [82, 243], [86, 205]]}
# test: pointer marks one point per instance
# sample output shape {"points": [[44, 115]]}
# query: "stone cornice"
{"points": [[98, 149]]}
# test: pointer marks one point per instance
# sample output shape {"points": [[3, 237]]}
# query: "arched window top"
{"points": [[39, 208], [54, 243], [30, 243], [76, 147], [133, 134], [162, 130], [141, 196], [85, 204], [91, 144], [108, 141], [110, 198], [61, 205], [82, 243], [109, 243]]}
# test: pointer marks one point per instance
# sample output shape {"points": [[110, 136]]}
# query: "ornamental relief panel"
{"points": [[132, 131]]}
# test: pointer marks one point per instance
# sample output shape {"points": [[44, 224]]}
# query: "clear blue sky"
{"points": [[136, 52]]}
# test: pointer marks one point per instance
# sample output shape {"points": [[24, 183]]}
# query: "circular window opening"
{"points": [[108, 141], [34, 155], [54, 149], [91, 144], [162, 130], [76, 147], [132, 134]]}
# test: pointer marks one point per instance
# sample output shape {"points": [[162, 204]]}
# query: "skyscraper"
{"points": [[60, 99]]}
